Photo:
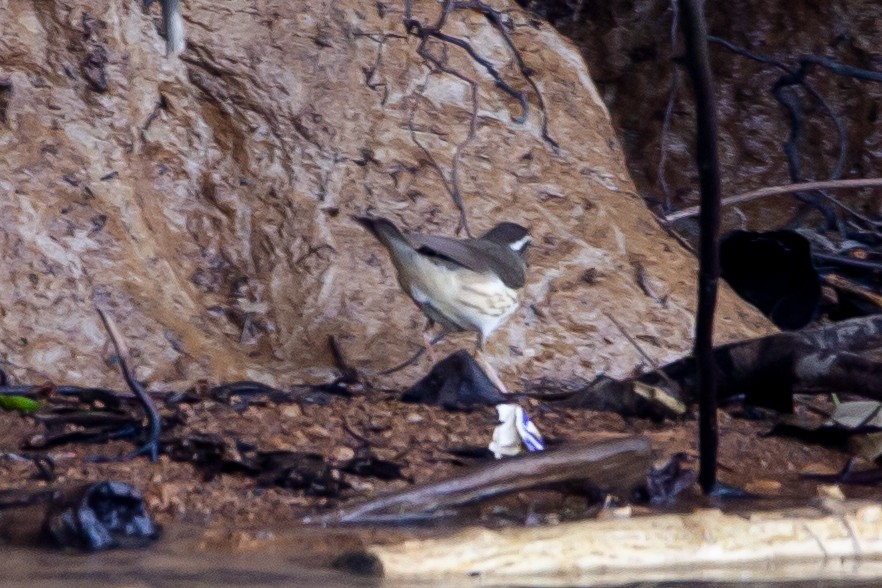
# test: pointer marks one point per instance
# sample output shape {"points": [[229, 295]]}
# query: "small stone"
{"points": [[362, 486], [298, 439], [763, 487], [415, 418], [831, 491], [292, 411], [280, 443], [435, 437], [317, 431], [342, 453], [616, 512], [819, 468]]}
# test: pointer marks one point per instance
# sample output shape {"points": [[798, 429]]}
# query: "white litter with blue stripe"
{"points": [[514, 432]]}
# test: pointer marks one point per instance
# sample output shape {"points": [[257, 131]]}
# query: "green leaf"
{"points": [[22, 403]]}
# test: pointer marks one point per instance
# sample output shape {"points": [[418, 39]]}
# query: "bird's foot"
{"points": [[428, 343]]}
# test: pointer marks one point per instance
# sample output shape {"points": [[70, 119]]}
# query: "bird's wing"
{"points": [[483, 257]]}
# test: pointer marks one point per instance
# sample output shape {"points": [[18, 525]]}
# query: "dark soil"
{"points": [[416, 437]]}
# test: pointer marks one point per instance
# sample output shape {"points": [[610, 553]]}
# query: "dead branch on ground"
{"points": [[616, 464], [767, 372]]}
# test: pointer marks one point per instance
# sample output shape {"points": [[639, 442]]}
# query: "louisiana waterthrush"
{"points": [[462, 284]]}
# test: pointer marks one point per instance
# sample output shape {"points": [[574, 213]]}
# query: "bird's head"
{"points": [[511, 235]]}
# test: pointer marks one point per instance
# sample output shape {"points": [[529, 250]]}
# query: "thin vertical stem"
{"points": [[695, 37]]}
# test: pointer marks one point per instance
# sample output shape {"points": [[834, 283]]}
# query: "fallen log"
{"points": [[844, 357], [617, 466], [825, 542]]}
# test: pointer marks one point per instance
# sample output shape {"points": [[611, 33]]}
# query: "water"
{"points": [[190, 557]]}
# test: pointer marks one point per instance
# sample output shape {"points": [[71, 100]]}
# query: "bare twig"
{"points": [[632, 341], [370, 72], [451, 186], [415, 356], [796, 74], [493, 16], [668, 380], [808, 61], [669, 111], [348, 374], [846, 285], [785, 189], [362, 440], [154, 424], [793, 76], [842, 260]]}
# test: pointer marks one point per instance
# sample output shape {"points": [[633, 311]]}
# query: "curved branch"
{"points": [[154, 427], [776, 190]]}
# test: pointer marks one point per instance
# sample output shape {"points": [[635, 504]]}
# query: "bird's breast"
{"points": [[465, 299]]}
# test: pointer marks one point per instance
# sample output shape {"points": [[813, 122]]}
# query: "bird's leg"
{"points": [[488, 369], [428, 341], [494, 377]]}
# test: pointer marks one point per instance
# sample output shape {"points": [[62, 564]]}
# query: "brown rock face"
{"points": [[206, 201]]}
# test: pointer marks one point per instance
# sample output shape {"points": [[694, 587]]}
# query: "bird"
{"points": [[470, 284]]}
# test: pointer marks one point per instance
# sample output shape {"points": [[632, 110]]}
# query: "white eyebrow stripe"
{"points": [[519, 244]]}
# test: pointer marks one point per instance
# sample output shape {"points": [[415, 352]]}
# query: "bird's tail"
{"points": [[388, 234], [383, 229]]}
